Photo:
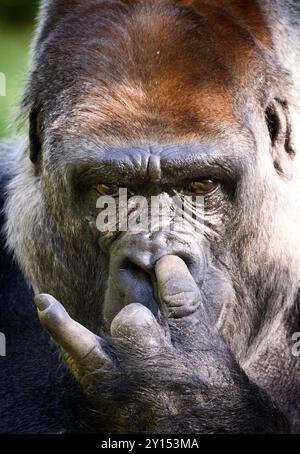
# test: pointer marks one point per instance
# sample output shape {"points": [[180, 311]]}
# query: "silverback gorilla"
{"points": [[165, 331]]}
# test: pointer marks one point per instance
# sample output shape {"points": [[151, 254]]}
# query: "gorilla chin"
{"points": [[175, 330]]}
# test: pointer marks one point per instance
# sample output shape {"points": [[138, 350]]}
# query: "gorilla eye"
{"points": [[104, 189], [202, 187]]}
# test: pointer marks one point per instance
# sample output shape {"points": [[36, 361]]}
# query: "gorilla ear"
{"points": [[280, 129], [35, 136]]}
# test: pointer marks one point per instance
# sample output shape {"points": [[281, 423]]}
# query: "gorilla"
{"points": [[154, 331]]}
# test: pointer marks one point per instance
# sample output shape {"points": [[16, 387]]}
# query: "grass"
{"points": [[14, 48]]}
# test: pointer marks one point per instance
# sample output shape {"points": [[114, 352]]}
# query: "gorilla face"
{"points": [[156, 99]]}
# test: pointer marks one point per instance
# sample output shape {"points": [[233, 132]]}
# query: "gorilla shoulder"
{"points": [[38, 383]]}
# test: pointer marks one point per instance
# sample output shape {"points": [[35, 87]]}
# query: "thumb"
{"points": [[77, 341], [137, 324]]}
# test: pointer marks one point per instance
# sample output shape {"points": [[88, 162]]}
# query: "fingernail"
{"points": [[42, 302]]}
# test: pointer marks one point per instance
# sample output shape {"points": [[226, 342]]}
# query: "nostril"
{"points": [[187, 259], [196, 264], [137, 284], [135, 265], [134, 269]]}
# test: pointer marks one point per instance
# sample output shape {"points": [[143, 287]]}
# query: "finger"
{"points": [[176, 287], [75, 339], [137, 324]]}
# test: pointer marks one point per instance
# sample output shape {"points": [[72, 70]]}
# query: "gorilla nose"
{"points": [[132, 269], [142, 251]]}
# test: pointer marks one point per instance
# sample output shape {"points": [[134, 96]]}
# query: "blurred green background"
{"points": [[16, 27]]}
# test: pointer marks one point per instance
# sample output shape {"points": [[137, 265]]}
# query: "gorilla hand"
{"points": [[177, 289], [140, 380]]}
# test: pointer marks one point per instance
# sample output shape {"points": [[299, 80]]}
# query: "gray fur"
{"points": [[253, 276]]}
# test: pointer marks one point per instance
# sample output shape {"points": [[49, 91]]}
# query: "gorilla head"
{"points": [[162, 98]]}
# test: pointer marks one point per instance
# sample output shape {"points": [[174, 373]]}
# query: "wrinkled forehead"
{"points": [[156, 65]]}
